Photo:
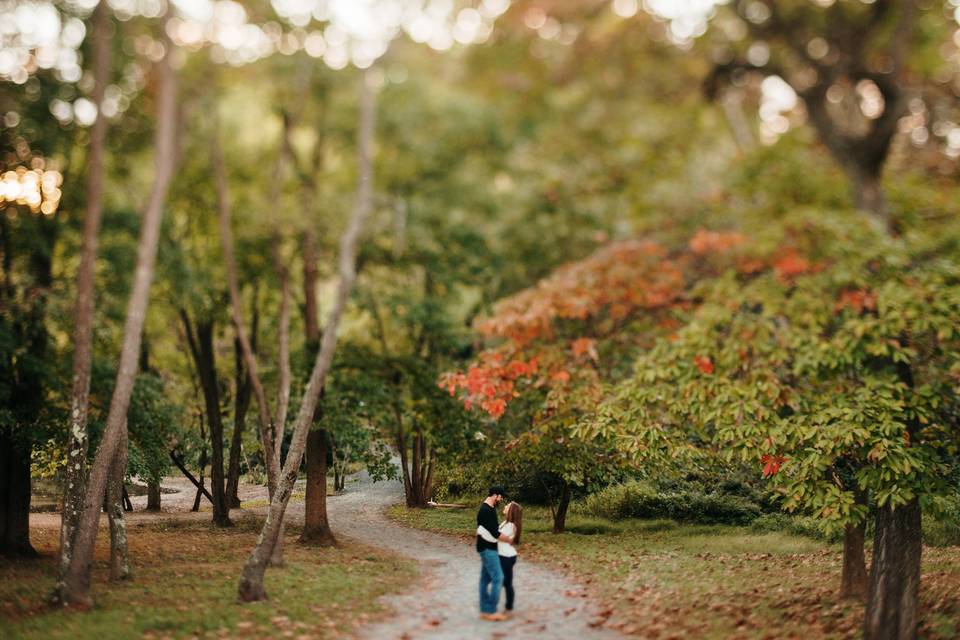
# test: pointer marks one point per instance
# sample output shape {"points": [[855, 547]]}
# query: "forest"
{"points": [[287, 285]]}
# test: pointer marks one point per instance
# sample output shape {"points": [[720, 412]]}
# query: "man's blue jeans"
{"points": [[491, 580]]}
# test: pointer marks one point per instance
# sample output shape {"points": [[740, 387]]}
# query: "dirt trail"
{"points": [[443, 603]]}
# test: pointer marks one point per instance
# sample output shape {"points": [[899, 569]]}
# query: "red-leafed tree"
{"points": [[554, 345]]}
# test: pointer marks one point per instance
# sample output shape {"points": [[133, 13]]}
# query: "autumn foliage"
{"points": [[550, 337]]}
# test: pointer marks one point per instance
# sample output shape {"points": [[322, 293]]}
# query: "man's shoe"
{"points": [[493, 617]]}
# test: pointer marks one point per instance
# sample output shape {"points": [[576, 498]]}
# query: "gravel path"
{"points": [[443, 603]]}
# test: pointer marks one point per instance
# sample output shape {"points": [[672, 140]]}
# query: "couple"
{"points": [[497, 544]]}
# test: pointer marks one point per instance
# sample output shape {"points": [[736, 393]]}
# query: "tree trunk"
{"points": [[119, 553], [401, 443], [202, 463], [200, 340], [76, 471], [270, 432], [14, 498], [74, 589], [283, 365], [201, 490], [153, 496], [868, 193], [311, 309], [316, 526], [241, 405], [251, 583], [853, 582], [894, 574], [560, 515], [421, 472]]}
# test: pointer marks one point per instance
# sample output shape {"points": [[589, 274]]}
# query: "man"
{"points": [[491, 575]]}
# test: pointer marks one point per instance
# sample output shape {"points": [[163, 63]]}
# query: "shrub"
{"points": [[642, 500], [941, 523], [794, 524]]}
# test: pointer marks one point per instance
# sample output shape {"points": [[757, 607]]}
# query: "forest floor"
{"points": [[384, 580], [661, 579], [185, 574]]}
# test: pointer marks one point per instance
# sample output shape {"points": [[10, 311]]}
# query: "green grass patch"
{"points": [[185, 581]]}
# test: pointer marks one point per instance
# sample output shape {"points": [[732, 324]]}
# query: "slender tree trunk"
{"points": [[75, 586], [428, 477], [201, 490], [153, 496], [251, 583], [560, 515], [404, 464], [200, 340], [241, 405], [894, 575], [14, 498], [119, 553], [283, 388], [76, 471], [316, 526], [202, 464], [421, 471], [267, 428], [311, 309]]}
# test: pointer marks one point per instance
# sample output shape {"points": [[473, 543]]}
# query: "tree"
{"points": [[74, 587], [556, 343], [855, 65], [271, 427], [200, 340], [75, 481], [826, 359], [251, 582]]}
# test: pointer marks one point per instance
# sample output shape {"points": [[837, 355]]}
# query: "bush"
{"points": [[796, 525], [941, 523], [457, 481], [642, 500]]}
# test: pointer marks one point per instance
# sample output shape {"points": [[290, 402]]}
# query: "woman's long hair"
{"points": [[515, 515]]}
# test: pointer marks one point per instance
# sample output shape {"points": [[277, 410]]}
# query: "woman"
{"points": [[511, 527]]}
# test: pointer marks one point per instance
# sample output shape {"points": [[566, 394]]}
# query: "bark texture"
{"points": [[114, 506], [560, 514], [76, 471], [153, 496], [200, 339], [316, 525], [894, 575], [251, 583], [853, 580], [74, 588]]}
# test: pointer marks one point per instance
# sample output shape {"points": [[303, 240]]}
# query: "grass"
{"points": [[184, 585], [662, 579]]}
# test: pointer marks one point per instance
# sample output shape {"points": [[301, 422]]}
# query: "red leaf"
{"points": [[704, 363], [771, 464]]}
